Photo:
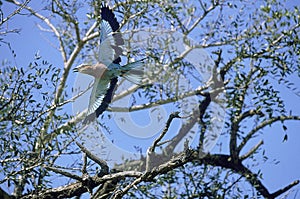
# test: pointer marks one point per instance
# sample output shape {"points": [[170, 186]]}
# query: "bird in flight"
{"points": [[107, 69]]}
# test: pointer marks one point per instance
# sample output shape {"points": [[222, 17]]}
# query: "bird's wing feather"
{"points": [[134, 72], [98, 93], [109, 52], [110, 39], [106, 52]]}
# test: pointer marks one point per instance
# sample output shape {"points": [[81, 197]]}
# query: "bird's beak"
{"points": [[75, 70]]}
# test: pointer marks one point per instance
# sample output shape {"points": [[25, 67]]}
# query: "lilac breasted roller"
{"points": [[107, 69]]}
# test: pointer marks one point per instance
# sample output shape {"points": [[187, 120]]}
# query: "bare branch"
{"points": [[262, 125], [100, 162], [74, 189], [252, 151], [285, 189], [18, 10], [224, 161], [163, 133], [51, 26], [151, 149], [197, 91], [64, 173], [205, 12], [84, 165]]}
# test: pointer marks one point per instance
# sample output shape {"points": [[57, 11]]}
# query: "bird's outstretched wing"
{"points": [[98, 93], [110, 38], [109, 52], [97, 98]]}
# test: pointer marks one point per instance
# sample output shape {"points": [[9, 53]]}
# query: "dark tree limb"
{"points": [[78, 188], [285, 189], [224, 161], [4, 195], [151, 149]]}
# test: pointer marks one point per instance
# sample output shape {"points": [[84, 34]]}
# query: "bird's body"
{"points": [[107, 70], [103, 75]]}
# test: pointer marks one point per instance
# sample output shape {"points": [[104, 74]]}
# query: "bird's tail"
{"points": [[134, 72]]}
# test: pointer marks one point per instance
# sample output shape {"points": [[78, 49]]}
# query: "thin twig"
{"points": [[163, 133], [252, 151], [84, 164], [151, 149], [262, 125], [18, 10], [205, 12], [64, 173], [100, 162], [197, 91]]}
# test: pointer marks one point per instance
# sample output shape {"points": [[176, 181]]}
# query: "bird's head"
{"points": [[83, 68], [96, 70]]}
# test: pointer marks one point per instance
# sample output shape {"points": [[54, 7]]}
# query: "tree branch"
{"points": [[18, 10], [100, 162], [151, 149], [64, 173], [163, 133], [262, 125], [238, 115], [46, 21], [224, 161], [77, 188], [205, 12], [252, 151], [285, 189], [197, 91]]}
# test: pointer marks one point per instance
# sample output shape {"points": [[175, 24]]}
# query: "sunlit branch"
{"points": [[84, 165], [129, 91], [125, 93], [198, 91], [66, 16], [51, 26], [64, 173], [285, 189], [148, 176], [66, 67], [205, 12], [156, 142], [73, 189], [18, 10], [262, 125], [282, 35], [252, 150]]}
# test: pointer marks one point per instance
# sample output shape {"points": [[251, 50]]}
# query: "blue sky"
{"points": [[30, 41]]}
